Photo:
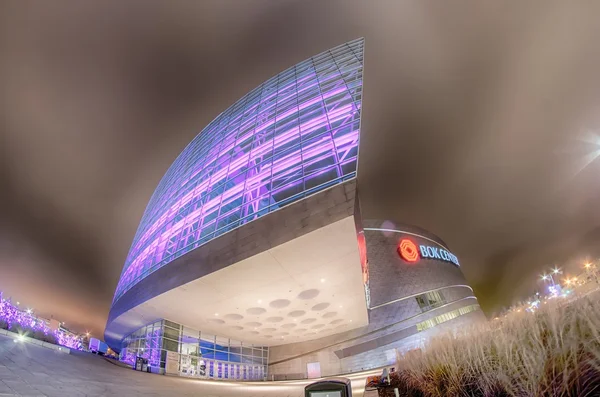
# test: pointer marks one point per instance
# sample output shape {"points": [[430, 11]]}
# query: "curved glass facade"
{"points": [[292, 136]]}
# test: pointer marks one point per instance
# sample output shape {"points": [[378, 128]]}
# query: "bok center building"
{"points": [[252, 260]]}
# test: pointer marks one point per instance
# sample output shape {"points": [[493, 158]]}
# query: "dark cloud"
{"points": [[471, 120]]}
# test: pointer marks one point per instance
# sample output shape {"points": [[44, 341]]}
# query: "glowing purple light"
{"points": [[25, 320], [295, 134], [12, 315], [68, 340]]}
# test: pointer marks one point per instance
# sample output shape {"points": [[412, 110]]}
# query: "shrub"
{"points": [[554, 352], [32, 333]]}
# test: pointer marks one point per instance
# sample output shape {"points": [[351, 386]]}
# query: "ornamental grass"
{"points": [[553, 352]]}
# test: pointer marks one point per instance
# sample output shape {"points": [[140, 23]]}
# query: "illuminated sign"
{"points": [[410, 253], [408, 250], [428, 251]]}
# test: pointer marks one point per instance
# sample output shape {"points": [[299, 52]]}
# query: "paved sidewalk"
{"points": [[30, 370]]}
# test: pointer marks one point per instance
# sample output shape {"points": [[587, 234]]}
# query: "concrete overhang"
{"points": [[301, 260]]}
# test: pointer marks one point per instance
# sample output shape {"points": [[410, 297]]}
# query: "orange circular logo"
{"points": [[408, 250]]}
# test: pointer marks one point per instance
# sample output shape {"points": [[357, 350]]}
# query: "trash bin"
{"points": [[138, 364], [141, 364], [331, 387]]}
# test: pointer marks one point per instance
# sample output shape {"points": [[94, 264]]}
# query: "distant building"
{"points": [[252, 259]]}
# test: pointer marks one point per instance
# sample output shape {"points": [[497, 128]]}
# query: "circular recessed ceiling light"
{"points": [[308, 294], [297, 313], [256, 311], [320, 306], [280, 303], [274, 319]]}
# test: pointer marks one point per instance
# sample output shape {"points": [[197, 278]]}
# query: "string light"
{"points": [[24, 319]]}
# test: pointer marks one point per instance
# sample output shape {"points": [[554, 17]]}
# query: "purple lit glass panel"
{"points": [[294, 135]]}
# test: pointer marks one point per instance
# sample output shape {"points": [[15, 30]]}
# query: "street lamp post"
{"points": [[555, 271], [591, 270], [545, 277]]}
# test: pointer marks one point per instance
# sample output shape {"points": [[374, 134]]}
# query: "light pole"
{"points": [[568, 281], [590, 269], [546, 277], [556, 271]]}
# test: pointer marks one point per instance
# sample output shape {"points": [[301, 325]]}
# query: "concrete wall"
{"points": [[393, 313], [391, 277], [386, 355], [361, 348], [26, 339]]}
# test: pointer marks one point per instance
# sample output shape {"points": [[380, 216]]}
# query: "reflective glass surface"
{"points": [[292, 136], [199, 354]]}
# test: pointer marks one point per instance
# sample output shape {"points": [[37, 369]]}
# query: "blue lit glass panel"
{"points": [[205, 350], [223, 356]]}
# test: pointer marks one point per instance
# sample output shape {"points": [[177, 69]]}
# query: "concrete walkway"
{"points": [[30, 370]]}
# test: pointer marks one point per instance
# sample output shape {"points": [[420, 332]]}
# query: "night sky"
{"points": [[480, 123]]}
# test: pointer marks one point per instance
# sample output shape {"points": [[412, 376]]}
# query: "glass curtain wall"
{"points": [[294, 135], [198, 354]]}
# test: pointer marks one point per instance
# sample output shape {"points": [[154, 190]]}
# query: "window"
{"points": [[435, 298], [171, 345], [422, 301], [172, 333], [430, 300], [423, 325]]}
